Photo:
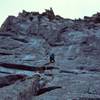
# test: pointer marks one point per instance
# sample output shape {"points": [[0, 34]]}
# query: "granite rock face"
{"points": [[21, 90], [31, 37]]}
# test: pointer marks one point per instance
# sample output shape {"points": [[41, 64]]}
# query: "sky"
{"points": [[65, 8]]}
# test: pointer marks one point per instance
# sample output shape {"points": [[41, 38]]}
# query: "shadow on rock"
{"points": [[26, 67], [47, 89], [10, 79]]}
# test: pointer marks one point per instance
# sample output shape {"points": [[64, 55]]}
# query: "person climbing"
{"points": [[52, 58]]}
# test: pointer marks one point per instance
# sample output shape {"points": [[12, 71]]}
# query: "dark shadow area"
{"points": [[26, 67], [21, 40], [89, 69], [94, 69], [5, 72], [47, 89], [2, 53], [10, 79], [65, 71], [48, 74]]}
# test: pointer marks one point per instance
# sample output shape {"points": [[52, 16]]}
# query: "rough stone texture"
{"points": [[21, 90], [31, 37]]}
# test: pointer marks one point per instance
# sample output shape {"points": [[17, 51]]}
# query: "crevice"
{"points": [[5, 72], [65, 71], [2, 53], [26, 67], [47, 89], [89, 69], [21, 40], [6, 34]]}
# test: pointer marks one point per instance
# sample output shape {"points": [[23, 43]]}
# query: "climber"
{"points": [[52, 58]]}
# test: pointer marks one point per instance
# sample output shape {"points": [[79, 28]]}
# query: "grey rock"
{"points": [[31, 37]]}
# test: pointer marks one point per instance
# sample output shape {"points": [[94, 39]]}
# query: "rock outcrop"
{"points": [[22, 90], [28, 40]]}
